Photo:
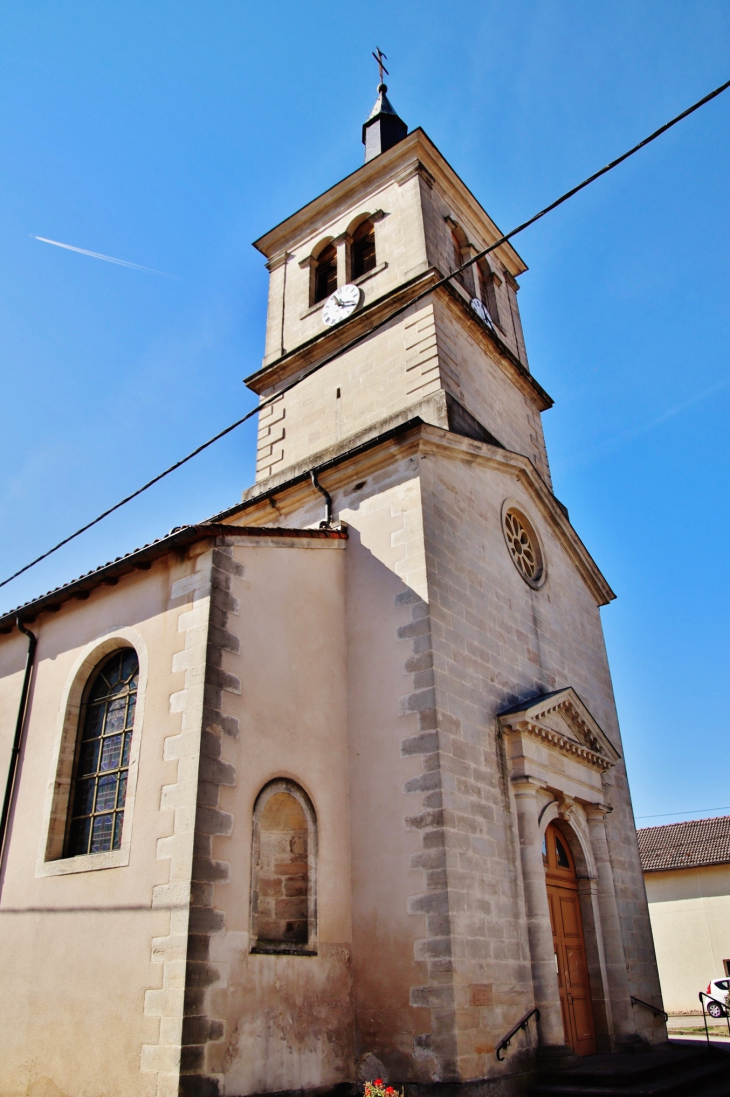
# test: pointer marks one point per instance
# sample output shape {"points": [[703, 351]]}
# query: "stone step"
{"points": [[668, 1072]]}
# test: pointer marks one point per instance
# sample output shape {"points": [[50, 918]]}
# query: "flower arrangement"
{"points": [[378, 1088]]}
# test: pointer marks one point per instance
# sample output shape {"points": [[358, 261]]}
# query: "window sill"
{"points": [[355, 282], [88, 862], [260, 950], [370, 274], [312, 309]]}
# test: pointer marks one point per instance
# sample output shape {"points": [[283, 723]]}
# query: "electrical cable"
{"points": [[366, 335], [695, 811]]}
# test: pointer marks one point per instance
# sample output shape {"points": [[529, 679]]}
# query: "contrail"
{"points": [[106, 258]]}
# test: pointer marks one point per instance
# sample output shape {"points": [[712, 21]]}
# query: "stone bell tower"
{"points": [[494, 863]]}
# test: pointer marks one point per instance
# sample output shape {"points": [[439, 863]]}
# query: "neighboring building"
{"points": [[687, 876], [331, 786]]}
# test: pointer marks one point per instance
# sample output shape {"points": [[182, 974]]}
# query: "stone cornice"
{"points": [[561, 743], [416, 152], [337, 340], [374, 449], [456, 445]]}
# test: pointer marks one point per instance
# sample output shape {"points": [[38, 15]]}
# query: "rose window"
{"points": [[523, 546]]}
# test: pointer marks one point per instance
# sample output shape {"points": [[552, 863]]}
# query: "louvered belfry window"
{"points": [[325, 275], [363, 249], [458, 256], [102, 762]]}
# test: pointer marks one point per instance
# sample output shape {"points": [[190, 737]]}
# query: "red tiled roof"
{"points": [[685, 845]]}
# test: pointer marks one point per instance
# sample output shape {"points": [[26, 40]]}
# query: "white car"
{"points": [[718, 992]]}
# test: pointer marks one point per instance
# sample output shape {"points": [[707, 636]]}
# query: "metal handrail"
{"points": [[655, 1009], [725, 1013], [520, 1024]]}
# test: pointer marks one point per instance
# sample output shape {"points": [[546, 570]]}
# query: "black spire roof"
{"points": [[383, 128]]}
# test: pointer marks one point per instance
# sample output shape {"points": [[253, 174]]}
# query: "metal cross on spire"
{"points": [[379, 56]]}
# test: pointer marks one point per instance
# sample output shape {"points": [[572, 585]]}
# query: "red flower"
{"points": [[378, 1082], [389, 1089]]}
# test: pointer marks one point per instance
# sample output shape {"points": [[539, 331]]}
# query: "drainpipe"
{"points": [[327, 524], [15, 752]]}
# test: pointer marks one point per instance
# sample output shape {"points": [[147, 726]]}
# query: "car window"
{"points": [[722, 984]]}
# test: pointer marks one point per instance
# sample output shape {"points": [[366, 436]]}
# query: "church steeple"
{"points": [[383, 128]]}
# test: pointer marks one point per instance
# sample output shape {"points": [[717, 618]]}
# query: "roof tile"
{"points": [[685, 845]]}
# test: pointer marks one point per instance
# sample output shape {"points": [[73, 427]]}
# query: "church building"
{"points": [[330, 787]]}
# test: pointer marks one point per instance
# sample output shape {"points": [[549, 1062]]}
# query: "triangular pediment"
{"points": [[563, 714]]}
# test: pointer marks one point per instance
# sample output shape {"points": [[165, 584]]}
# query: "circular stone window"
{"points": [[524, 546]]}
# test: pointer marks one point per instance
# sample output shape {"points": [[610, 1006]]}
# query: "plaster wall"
{"points": [[76, 949], [690, 920], [387, 616], [397, 1035], [275, 1022]]}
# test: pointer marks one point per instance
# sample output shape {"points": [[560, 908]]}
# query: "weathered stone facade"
{"points": [[429, 707]]}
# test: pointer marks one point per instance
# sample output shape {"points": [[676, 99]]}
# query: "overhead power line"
{"points": [[696, 811], [366, 335]]}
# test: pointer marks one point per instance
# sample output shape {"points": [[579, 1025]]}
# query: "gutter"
{"points": [[19, 723], [327, 500]]}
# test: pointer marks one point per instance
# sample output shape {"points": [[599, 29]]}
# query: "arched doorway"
{"points": [[570, 949]]}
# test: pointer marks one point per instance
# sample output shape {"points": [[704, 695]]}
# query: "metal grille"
{"points": [[102, 764]]}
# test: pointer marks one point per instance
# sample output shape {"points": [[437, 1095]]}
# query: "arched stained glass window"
{"points": [[102, 756]]}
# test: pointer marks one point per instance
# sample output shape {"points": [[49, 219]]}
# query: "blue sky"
{"points": [[171, 135]]}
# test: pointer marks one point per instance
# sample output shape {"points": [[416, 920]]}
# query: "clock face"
{"points": [[340, 304], [482, 311]]}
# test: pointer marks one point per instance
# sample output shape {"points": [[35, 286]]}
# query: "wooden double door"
{"points": [[569, 943]]}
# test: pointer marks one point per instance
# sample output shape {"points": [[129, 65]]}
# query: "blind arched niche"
{"points": [[283, 886]]}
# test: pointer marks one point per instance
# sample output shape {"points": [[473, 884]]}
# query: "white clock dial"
{"points": [[482, 311], [340, 304]]}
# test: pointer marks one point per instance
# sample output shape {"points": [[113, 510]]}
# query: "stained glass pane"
{"points": [[85, 797], [79, 842], [116, 713], [101, 774], [89, 757], [106, 793], [101, 833], [110, 753], [118, 830], [100, 688], [112, 670], [129, 664], [94, 721]]}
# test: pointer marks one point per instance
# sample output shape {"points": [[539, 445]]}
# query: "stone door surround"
{"points": [[557, 754]]}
